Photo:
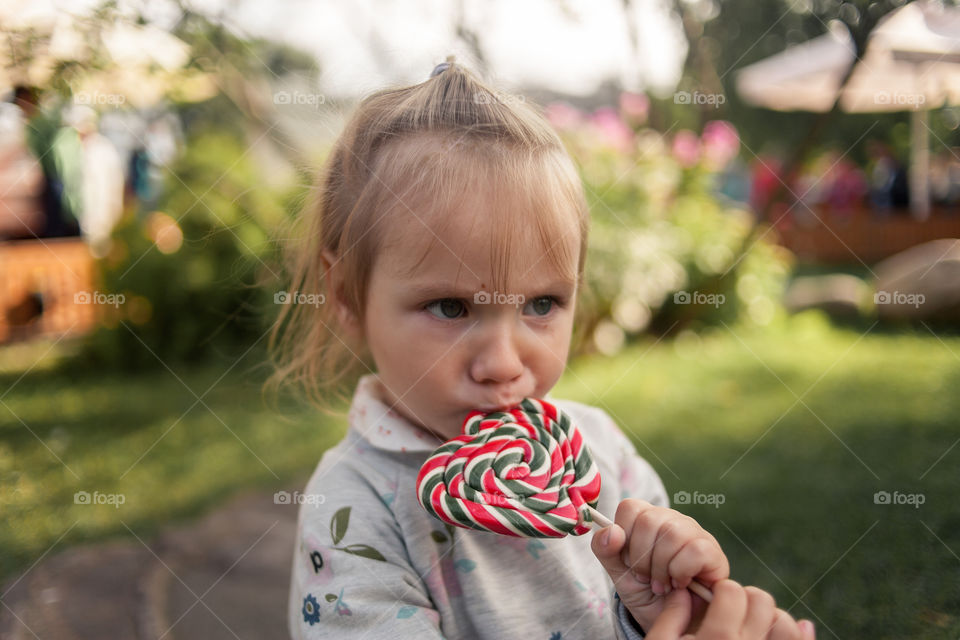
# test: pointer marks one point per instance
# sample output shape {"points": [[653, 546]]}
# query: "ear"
{"points": [[333, 273]]}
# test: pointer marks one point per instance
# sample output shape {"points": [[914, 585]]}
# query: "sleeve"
{"points": [[628, 627], [351, 574]]}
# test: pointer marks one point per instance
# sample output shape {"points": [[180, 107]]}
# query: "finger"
{"points": [[673, 618], [700, 558], [641, 521], [607, 544], [726, 613], [809, 632], [672, 536], [761, 613], [784, 627]]}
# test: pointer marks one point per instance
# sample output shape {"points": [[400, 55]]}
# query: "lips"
{"points": [[498, 407]]}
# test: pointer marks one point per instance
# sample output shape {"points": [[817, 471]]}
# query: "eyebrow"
{"points": [[433, 290]]}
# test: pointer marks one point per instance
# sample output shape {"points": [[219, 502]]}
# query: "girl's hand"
{"points": [[650, 551], [747, 613]]}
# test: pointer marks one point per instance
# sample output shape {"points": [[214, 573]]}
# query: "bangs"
{"points": [[526, 201]]}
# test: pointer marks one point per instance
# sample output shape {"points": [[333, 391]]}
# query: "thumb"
{"points": [[674, 618], [607, 543]]}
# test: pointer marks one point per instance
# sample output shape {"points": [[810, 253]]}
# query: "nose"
{"points": [[498, 359]]}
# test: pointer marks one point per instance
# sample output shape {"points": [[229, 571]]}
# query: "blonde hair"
{"points": [[419, 149]]}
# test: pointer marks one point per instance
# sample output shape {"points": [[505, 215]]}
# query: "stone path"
{"points": [[225, 575]]}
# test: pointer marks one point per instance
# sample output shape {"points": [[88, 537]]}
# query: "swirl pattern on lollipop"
{"points": [[523, 472]]}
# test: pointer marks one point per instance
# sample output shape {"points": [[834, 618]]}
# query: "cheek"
{"points": [[552, 349], [410, 341], [554, 339]]}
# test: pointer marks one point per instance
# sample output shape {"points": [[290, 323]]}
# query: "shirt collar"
{"points": [[380, 425], [384, 428]]}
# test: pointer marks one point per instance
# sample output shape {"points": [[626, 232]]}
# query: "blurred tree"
{"points": [[245, 70]]}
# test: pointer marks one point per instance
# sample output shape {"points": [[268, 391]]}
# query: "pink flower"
{"points": [[686, 148], [720, 144], [634, 107], [611, 129], [563, 116]]}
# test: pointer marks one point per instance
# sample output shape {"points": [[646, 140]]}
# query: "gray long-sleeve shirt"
{"points": [[370, 562]]}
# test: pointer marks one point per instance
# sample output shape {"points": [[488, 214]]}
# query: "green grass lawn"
{"points": [[796, 429], [146, 437]]}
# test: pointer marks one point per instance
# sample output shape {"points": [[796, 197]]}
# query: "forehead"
{"points": [[481, 243]]}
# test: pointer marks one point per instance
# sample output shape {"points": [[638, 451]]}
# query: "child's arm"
{"points": [[351, 577]]}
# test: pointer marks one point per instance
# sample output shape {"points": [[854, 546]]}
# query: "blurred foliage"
{"points": [[191, 269], [214, 47], [189, 272], [666, 250]]}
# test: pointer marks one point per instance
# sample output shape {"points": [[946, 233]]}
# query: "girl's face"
{"points": [[445, 342]]}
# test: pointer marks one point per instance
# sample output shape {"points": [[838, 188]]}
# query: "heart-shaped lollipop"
{"points": [[523, 472]]}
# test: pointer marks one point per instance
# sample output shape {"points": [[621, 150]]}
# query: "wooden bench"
{"points": [[43, 285], [862, 236]]}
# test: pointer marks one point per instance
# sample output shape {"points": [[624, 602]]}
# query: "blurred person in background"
{"points": [[43, 130], [21, 177], [945, 179], [101, 181], [888, 184], [67, 153], [847, 189]]}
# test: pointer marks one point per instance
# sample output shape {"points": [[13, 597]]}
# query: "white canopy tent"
{"points": [[911, 63]]}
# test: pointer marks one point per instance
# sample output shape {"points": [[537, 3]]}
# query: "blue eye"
{"points": [[545, 308], [446, 305]]}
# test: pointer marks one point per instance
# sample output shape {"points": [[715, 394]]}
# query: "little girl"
{"points": [[448, 235]]}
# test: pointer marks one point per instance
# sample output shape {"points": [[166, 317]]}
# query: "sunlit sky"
{"points": [[569, 46]]}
